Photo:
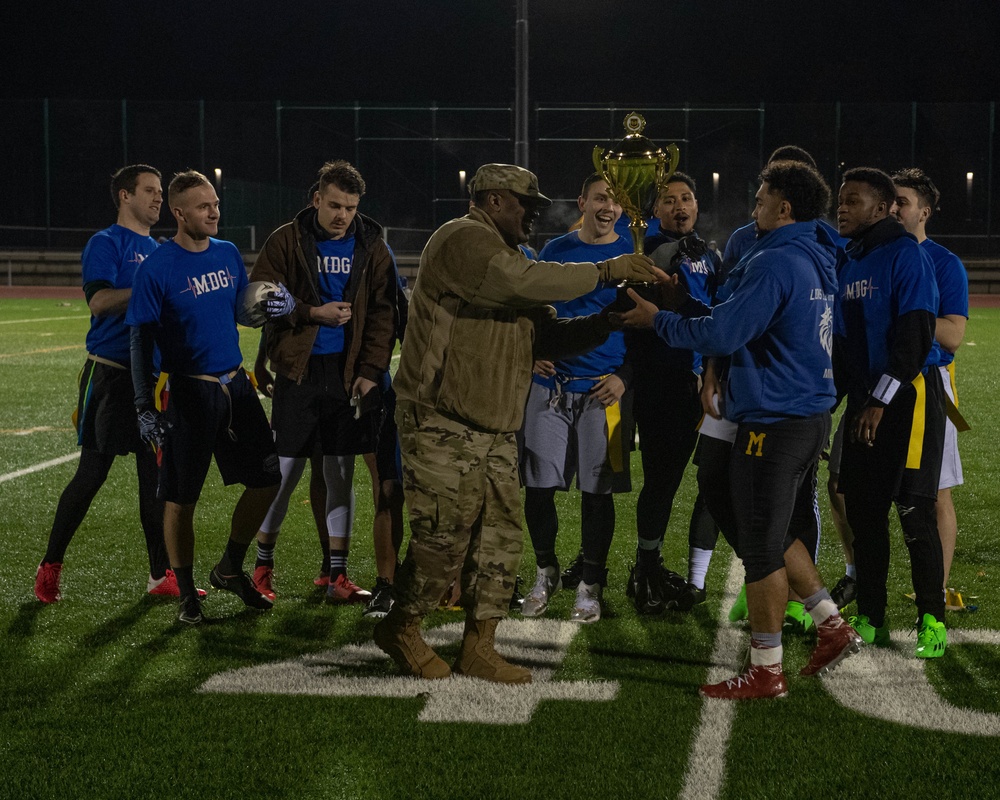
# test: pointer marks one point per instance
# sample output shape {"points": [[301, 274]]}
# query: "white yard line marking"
{"points": [[41, 319], [542, 644], [46, 350], [55, 462], [707, 761]]}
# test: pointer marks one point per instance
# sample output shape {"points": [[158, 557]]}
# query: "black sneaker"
{"points": [[381, 600], [573, 574], [845, 591], [190, 612], [517, 599], [674, 587], [646, 590], [691, 597], [241, 586]]}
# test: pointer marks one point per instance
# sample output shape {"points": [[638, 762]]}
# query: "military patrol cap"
{"points": [[508, 176]]}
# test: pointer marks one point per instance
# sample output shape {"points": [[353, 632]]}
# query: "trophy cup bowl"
{"points": [[631, 167]]}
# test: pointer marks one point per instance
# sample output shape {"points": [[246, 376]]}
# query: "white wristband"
{"points": [[886, 389]]}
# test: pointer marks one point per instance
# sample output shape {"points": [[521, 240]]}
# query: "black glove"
{"points": [[151, 427], [692, 246]]}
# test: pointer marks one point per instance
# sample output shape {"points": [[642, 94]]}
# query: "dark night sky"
{"points": [[699, 51]]}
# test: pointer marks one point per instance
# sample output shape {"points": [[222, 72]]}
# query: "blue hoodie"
{"points": [[777, 322]]}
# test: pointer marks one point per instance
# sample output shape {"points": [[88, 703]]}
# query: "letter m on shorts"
{"points": [[758, 440]]}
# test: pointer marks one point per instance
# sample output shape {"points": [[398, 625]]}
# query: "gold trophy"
{"points": [[631, 167]]}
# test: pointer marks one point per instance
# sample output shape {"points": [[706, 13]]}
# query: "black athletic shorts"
{"points": [[318, 409], [905, 459], [105, 413], [387, 455], [203, 421], [772, 479]]}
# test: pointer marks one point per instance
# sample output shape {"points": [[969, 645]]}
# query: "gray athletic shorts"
{"points": [[567, 434]]}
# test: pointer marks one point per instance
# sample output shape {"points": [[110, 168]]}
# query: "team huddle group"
{"points": [[522, 371]]}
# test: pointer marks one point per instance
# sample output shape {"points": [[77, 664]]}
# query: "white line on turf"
{"points": [[541, 643], [707, 760], [40, 319], [55, 462]]}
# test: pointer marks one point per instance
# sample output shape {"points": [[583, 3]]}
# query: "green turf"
{"points": [[98, 694]]}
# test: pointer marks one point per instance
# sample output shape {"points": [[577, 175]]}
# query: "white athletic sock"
{"points": [[851, 571], [698, 561], [763, 653]]}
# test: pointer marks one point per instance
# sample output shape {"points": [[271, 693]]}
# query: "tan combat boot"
{"points": [[398, 635], [479, 658]]}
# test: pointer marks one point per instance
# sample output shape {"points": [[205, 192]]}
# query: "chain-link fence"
{"points": [[58, 156]]}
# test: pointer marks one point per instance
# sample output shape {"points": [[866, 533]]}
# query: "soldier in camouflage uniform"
{"points": [[478, 320]]}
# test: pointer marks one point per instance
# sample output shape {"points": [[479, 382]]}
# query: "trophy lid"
{"points": [[634, 145]]}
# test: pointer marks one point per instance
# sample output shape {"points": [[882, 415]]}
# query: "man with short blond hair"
{"points": [[578, 422], [185, 300]]}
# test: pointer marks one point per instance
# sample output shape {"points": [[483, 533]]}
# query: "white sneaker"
{"points": [[588, 603], [537, 601]]}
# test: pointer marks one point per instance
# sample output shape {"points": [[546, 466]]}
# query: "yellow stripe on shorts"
{"points": [[916, 447], [613, 417]]}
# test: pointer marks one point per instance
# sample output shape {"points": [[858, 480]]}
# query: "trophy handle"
{"points": [[673, 156]]}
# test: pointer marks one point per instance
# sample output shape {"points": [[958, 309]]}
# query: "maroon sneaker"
{"points": [[835, 641], [757, 683], [47, 582]]}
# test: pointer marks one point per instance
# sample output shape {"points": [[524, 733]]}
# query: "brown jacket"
{"points": [[478, 320], [290, 257]]}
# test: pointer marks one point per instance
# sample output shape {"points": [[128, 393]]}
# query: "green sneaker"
{"points": [[868, 632], [739, 610], [932, 638], [797, 619]]}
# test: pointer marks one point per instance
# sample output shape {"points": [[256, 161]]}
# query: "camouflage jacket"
{"points": [[478, 319]]}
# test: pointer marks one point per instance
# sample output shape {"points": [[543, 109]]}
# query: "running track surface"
{"points": [[76, 293]]}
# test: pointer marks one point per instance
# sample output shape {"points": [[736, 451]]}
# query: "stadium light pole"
{"points": [[968, 191], [521, 86], [218, 188]]}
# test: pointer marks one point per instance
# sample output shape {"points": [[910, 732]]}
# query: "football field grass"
{"points": [[104, 695]]}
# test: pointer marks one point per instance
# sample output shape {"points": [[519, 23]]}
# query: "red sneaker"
{"points": [[262, 581], [344, 590], [835, 641], [756, 683], [167, 586], [47, 582], [323, 579]]}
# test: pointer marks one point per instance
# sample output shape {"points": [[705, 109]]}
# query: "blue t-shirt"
{"points": [[191, 297], [777, 324], [333, 262], [112, 256], [700, 278], [886, 282], [953, 288], [580, 373]]}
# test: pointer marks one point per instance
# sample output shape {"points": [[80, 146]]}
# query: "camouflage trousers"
{"points": [[464, 503]]}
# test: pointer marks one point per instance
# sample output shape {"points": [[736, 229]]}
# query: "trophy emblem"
{"points": [[631, 167]]}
